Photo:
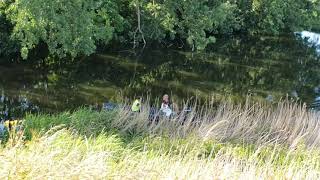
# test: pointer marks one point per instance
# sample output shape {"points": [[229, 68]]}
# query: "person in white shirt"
{"points": [[166, 106]]}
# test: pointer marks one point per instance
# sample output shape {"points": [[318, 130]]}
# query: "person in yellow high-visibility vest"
{"points": [[11, 124], [136, 106]]}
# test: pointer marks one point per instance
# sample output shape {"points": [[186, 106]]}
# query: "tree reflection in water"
{"points": [[264, 67], [15, 107]]}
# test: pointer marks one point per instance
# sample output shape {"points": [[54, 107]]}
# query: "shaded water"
{"points": [[267, 68]]}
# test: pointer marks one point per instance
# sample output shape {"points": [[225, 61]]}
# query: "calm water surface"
{"points": [[267, 68]]}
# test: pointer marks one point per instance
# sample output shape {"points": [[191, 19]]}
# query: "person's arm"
{"points": [[162, 106]]}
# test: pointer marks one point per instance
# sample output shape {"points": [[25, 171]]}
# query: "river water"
{"points": [[267, 68]]}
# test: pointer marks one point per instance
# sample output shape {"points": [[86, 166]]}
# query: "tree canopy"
{"points": [[77, 27]]}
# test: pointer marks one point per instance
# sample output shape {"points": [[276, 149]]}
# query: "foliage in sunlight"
{"points": [[73, 28], [66, 27], [231, 141]]}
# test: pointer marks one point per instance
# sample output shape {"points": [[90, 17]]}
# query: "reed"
{"points": [[251, 140]]}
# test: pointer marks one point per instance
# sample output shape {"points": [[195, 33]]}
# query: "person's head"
{"points": [[165, 98], [139, 98]]}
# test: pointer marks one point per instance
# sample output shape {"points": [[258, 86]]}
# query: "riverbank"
{"points": [[230, 141]]}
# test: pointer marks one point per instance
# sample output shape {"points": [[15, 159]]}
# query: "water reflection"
{"points": [[313, 39], [267, 68], [15, 107]]}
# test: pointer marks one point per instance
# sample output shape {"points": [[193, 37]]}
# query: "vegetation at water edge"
{"points": [[74, 28], [244, 141]]}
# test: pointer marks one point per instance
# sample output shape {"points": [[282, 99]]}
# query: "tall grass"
{"points": [[225, 142]]}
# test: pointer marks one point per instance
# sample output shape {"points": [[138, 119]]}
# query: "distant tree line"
{"points": [[69, 28]]}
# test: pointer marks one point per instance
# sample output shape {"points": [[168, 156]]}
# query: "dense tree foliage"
{"points": [[274, 16], [73, 28], [66, 27], [7, 46]]}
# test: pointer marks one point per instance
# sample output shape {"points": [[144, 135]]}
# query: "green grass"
{"points": [[250, 141]]}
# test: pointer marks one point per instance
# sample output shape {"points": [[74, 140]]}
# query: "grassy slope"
{"points": [[230, 142]]}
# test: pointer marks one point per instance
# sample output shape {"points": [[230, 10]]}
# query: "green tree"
{"points": [[73, 28], [277, 16], [7, 46], [66, 27], [193, 21]]}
